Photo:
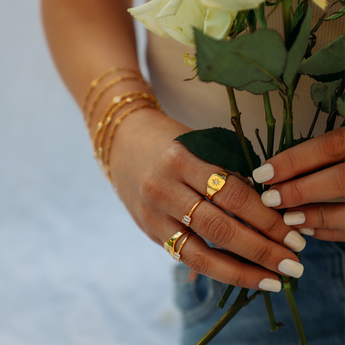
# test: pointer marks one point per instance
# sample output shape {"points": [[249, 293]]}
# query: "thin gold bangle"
{"points": [[115, 102], [112, 132], [96, 81], [108, 117]]}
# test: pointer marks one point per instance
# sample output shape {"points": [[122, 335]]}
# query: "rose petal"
{"points": [[233, 5]]}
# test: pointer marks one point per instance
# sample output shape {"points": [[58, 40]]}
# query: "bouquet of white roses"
{"points": [[236, 48]]}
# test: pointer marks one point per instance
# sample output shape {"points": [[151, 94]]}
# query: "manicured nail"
{"points": [[291, 268], [295, 241], [269, 284], [271, 198], [307, 231], [294, 218], [264, 173]]}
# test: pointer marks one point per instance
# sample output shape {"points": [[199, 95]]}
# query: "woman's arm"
{"points": [[87, 37]]}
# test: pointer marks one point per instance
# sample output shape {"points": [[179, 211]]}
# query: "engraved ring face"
{"points": [[216, 182]]}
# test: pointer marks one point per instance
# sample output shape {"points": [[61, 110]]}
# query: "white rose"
{"points": [[176, 18], [233, 5]]}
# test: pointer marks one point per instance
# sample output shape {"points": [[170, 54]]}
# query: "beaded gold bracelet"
{"points": [[106, 87], [112, 132], [117, 103], [96, 81]]}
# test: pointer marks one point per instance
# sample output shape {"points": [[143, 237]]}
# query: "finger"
{"points": [[198, 256], [332, 235], [309, 156], [320, 186], [322, 216]]}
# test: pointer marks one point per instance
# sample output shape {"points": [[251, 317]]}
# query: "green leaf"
{"points": [[260, 56], [336, 15], [239, 24], [328, 63], [298, 14], [341, 105], [260, 16], [221, 147], [259, 87], [297, 51], [325, 93]]}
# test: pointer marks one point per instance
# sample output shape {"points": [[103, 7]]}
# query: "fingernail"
{"points": [[294, 218], [264, 173], [269, 284], [291, 268], [295, 241], [307, 231], [271, 198]]}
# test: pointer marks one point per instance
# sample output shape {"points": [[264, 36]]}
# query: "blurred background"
{"points": [[74, 268]]}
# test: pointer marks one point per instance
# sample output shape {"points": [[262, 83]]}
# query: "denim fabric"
{"points": [[320, 301]]}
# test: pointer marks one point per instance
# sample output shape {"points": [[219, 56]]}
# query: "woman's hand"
{"points": [[322, 159], [159, 181]]}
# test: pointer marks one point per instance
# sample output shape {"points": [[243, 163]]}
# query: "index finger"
{"points": [[311, 155]]}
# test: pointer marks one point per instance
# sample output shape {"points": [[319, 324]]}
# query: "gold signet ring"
{"points": [[215, 183], [187, 219]]}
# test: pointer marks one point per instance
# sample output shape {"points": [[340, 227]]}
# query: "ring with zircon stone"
{"points": [[215, 183], [170, 245], [187, 219]]}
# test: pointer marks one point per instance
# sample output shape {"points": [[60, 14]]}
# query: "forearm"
{"points": [[87, 37]]}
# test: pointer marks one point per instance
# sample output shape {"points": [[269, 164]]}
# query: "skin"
{"points": [[158, 179]]}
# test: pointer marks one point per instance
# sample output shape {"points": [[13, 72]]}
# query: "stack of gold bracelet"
{"points": [[106, 127]]}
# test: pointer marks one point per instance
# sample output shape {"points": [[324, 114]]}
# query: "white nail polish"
{"points": [[307, 231], [271, 198], [291, 268], [294, 218], [264, 173], [295, 241], [269, 284]]}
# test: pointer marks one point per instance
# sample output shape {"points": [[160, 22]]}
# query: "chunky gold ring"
{"points": [[215, 183], [186, 219], [170, 244]]}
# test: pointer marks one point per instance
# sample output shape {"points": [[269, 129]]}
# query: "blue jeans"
{"points": [[320, 301]]}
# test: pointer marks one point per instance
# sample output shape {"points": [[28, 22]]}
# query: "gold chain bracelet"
{"points": [[117, 103], [112, 132], [106, 87], [96, 81]]}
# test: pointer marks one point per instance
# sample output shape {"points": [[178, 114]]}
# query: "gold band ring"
{"points": [[177, 255], [187, 219], [215, 183], [170, 244]]}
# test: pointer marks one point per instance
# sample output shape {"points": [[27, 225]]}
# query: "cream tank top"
{"points": [[203, 105]]}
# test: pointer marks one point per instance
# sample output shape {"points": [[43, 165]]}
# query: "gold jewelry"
{"points": [[112, 132], [95, 82], [215, 183], [170, 245], [117, 103], [187, 219], [106, 87], [177, 255]]}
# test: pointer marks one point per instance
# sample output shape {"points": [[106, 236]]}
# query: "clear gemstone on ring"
{"points": [[186, 220]]}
